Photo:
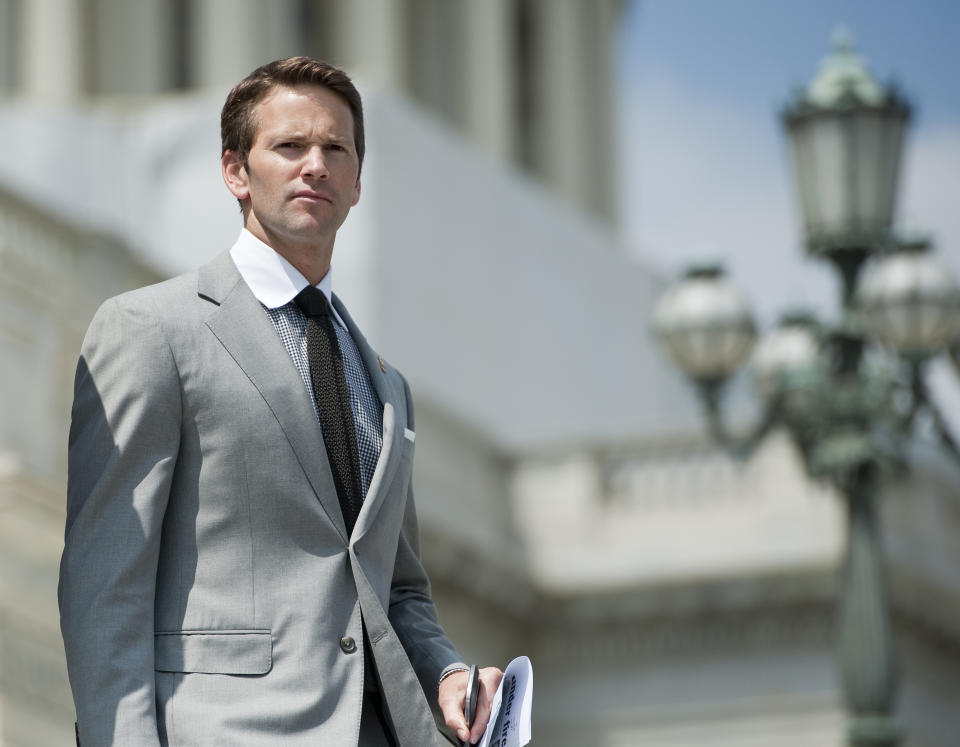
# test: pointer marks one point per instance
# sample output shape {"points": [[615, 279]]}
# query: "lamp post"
{"points": [[848, 392]]}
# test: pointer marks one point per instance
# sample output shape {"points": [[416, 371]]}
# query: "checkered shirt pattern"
{"points": [[291, 325]]}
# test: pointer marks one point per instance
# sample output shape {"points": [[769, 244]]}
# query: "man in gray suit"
{"points": [[241, 563]]}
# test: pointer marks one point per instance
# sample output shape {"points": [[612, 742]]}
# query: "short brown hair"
{"points": [[238, 127]]}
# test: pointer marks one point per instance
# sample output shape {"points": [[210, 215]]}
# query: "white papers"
{"points": [[509, 724]]}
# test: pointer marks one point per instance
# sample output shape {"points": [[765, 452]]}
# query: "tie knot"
{"points": [[312, 303]]}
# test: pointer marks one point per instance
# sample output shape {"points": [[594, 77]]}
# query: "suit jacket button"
{"points": [[348, 645]]}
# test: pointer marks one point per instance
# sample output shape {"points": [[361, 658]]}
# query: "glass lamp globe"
{"points": [[792, 347], [705, 324], [846, 135], [911, 301]]}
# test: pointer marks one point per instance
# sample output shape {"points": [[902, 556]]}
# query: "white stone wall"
{"points": [[683, 515]]}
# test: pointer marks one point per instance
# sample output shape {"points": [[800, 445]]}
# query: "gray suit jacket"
{"points": [[207, 578]]}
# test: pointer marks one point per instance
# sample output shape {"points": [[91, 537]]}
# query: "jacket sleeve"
{"points": [[412, 611], [123, 445]]}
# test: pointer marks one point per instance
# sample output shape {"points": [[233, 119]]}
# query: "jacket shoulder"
{"points": [[163, 298], [156, 311]]}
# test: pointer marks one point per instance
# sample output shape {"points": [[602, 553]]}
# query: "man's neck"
{"points": [[311, 264], [311, 260]]}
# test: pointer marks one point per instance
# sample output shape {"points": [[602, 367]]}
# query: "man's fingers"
{"points": [[489, 682], [456, 723], [453, 716], [451, 698]]}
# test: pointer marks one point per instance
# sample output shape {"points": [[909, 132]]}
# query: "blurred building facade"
{"points": [[665, 594], [528, 81]]}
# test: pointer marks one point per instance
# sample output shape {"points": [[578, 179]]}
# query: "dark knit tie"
{"points": [[333, 401]]}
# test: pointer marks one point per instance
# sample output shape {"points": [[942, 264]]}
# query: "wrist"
{"points": [[452, 669]]}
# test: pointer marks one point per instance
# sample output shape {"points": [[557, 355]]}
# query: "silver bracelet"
{"points": [[453, 670]]}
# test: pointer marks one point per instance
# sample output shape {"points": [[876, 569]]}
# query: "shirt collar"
{"points": [[272, 279]]}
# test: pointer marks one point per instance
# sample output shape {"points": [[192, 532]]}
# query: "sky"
{"points": [[705, 172]]}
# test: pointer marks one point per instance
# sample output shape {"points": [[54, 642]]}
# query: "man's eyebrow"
{"points": [[334, 138], [281, 135], [286, 134]]}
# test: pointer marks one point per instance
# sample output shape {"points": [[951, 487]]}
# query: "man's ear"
{"points": [[235, 175], [356, 193]]}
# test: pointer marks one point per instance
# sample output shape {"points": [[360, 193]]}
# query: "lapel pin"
{"points": [[383, 366]]}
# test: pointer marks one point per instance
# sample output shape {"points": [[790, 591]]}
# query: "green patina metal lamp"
{"points": [[848, 392], [846, 135]]}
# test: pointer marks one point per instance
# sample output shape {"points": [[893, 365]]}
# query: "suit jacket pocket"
{"points": [[214, 651]]}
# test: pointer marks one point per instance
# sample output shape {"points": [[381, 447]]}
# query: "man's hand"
{"points": [[452, 699]]}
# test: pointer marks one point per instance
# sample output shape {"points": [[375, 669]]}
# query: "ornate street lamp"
{"points": [[846, 133], [847, 393]]}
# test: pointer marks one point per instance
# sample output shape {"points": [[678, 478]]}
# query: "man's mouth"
{"points": [[309, 194]]}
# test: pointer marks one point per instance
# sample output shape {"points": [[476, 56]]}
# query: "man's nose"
{"points": [[315, 164]]}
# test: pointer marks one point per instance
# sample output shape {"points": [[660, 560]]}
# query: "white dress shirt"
{"points": [[273, 280]]}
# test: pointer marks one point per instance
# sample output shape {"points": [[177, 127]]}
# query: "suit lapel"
{"points": [[378, 377], [392, 424], [242, 327]]}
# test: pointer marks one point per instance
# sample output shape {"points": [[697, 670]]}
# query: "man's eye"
{"points": [[289, 144]]}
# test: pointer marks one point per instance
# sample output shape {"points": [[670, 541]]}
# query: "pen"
{"points": [[470, 700]]}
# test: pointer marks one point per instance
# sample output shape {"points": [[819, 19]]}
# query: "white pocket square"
{"points": [[409, 435]]}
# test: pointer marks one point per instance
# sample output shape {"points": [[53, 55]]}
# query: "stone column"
{"points": [[131, 46], [558, 140], [371, 45], [436, 41], [572, 127], [8, 45], [600, 28], [490, 76], [51, 52], [232, 37]]}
